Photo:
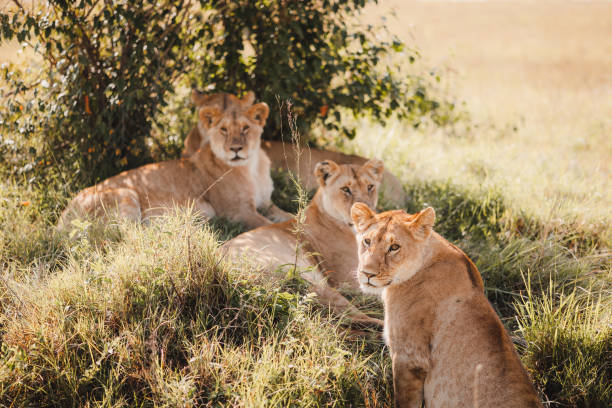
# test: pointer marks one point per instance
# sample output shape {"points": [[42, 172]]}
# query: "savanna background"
{"points": [[511, 143]]}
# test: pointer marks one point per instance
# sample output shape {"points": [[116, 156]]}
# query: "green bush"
{"points": [[108, 69], [308, 52]]}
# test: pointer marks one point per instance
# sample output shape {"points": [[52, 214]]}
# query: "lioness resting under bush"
{"points": [[230, 176], [447, 345], [285, 155], [324, 243]]}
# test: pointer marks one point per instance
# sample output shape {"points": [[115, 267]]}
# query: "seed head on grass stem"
{"points": [[301, 198]]}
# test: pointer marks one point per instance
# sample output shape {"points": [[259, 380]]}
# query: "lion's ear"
{"points": [[258, 113], [361, 215], [209, 115], [324, 170], [375, 168], [248, 99], [198, 98], [422, 225]]}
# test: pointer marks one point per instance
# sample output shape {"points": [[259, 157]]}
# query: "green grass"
{"points": [[569, 344], [158, 319], [126, 315]]}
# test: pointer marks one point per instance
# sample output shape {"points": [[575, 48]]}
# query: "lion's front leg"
{"points": [[274, 213], [338, 303], [408, 382], [254, 220], [204, 208], [249, 216]]}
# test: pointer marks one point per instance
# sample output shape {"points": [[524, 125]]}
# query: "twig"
{"points": [[15, 295], [213, 184], [85, 41], [91, 9], [19, 5], [170, 44], [189, 264]]}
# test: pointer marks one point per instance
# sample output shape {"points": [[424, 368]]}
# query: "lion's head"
{"points": [[392, 245], [340, 186], [234, 128]]}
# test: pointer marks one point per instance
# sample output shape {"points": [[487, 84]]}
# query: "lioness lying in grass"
{"points": [[447, 345], [229, 176], [324, 244]]}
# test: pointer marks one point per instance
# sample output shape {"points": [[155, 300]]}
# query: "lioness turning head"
{"points": [[447, 345], [323, 246], [230, 176]]}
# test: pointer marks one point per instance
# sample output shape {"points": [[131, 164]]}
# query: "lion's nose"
{"points": [[236, 149], [368, 274]]}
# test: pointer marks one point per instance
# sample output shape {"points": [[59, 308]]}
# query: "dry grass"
{"points": [[128, 315], [537, 81], [158, 319]]}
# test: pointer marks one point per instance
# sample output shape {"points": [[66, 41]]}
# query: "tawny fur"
{"points": [[448, 347], [283, 155], [222, 101], [230, 176], [323, 246]]}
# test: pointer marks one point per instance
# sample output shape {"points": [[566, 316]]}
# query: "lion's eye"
{"points": [[370, 188], [367, 242], [346, 190], [244, 129], [224, 130], [394, 247]]}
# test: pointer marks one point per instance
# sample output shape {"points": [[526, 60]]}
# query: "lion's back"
{"points": [[476, 362]]}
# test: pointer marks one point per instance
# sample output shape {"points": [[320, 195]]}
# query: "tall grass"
{"points": [[125, 315], [569, 340], [24, 228], [534, 78], [129, 315], [158, 319]]}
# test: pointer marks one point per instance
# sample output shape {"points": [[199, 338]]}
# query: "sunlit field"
{"points": [[125, 314], [536, 79]]}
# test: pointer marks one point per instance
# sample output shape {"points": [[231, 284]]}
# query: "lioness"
{"points": [[447, 344], [284, 156], [222, 101], [324, 243], [230, 176]]}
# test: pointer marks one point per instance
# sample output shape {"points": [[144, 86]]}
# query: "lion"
{"points": [[230, 176], [221, 100], [285, 156], [322, 246], [447, 345]]}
